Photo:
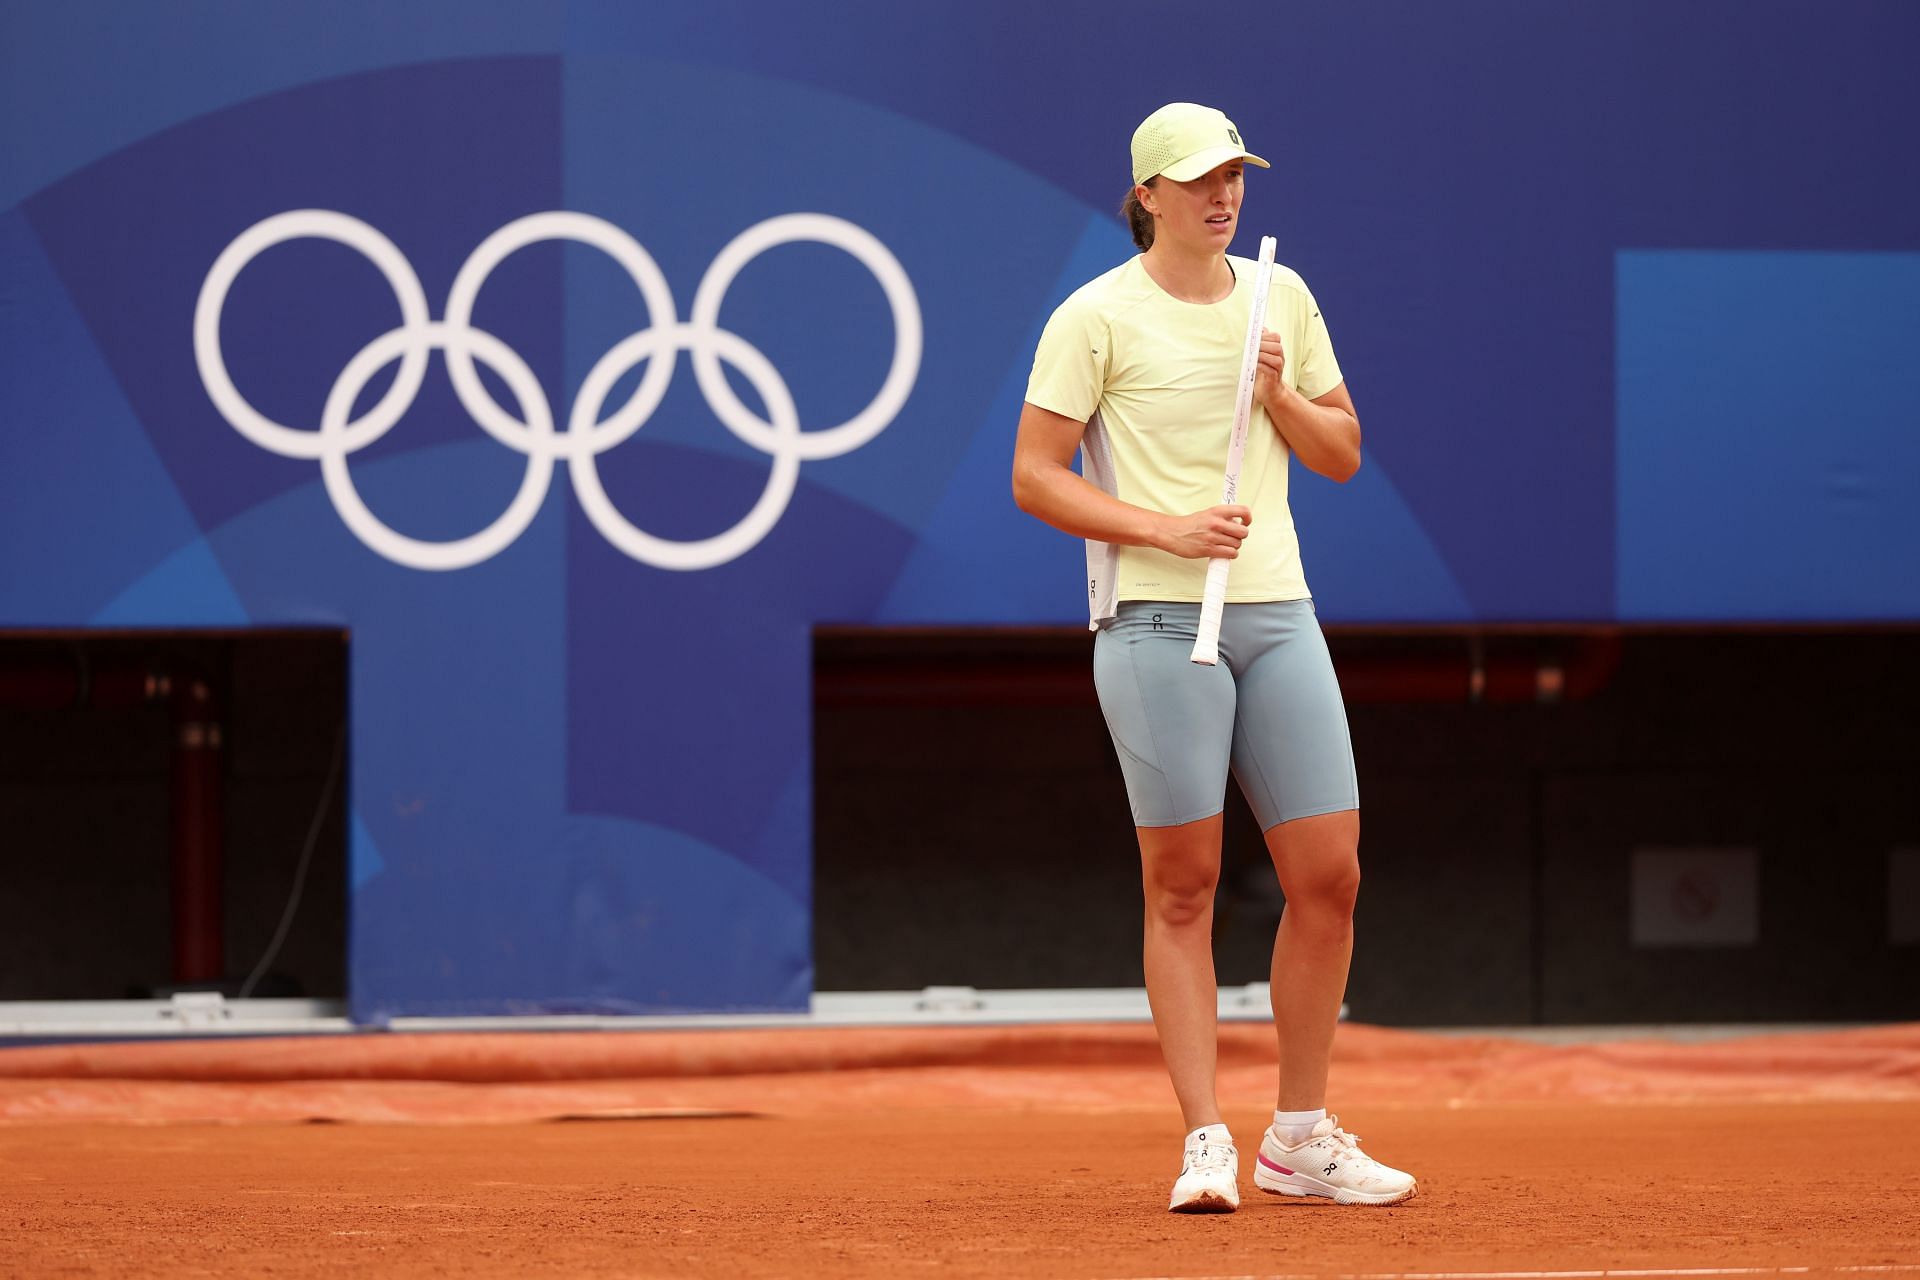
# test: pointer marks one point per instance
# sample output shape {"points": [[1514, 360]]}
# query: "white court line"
{"points": [[1897, 1268]]}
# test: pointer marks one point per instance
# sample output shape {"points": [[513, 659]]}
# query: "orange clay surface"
{"points": [[1016, 1152]]}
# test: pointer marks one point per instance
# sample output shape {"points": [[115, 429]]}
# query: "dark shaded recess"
{"points": [[89, 723], [971, 825]]}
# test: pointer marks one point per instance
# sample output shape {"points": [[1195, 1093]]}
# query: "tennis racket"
{"points": [[1206, 646]]}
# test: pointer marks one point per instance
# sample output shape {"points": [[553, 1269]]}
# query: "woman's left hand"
{"points": [[1267, 380]]}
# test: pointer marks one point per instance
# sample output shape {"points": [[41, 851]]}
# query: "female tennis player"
{"points": [[1138, 371]]}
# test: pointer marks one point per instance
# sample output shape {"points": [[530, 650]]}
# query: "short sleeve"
{"points": [[1070, 364], [1318, 371]]}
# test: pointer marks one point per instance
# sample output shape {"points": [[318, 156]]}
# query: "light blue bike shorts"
{"points": [[1270, 709]]}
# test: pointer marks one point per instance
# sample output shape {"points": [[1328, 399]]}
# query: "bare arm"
{"points": [[1324, 432], [1046, 485]]}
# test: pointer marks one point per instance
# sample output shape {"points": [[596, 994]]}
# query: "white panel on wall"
{"points": [[1696, 897], [1903, 897]]}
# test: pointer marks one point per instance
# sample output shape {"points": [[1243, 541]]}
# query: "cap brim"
{"points": [[1207, 161]]}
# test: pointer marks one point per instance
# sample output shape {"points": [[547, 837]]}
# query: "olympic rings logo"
{"points": [[532, 431]]}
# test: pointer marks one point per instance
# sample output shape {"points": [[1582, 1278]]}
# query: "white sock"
{"points": [[1210, 1135], [1295, 1127]]}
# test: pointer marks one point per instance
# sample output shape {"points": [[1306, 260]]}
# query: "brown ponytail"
{"points": [[1139, 221]]}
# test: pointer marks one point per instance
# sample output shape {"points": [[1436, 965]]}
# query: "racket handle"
{"points": [[1206, 644]]}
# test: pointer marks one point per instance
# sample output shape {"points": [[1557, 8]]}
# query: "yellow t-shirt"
{"points": [[1158, 375]]}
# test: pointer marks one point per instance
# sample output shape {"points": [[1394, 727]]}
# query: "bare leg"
{"points": [[1179, 868], [1318, 860]]}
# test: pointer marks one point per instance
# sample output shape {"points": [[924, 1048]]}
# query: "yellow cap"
{"points": [[1184, 140]]}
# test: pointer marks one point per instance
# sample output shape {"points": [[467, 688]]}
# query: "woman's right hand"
{"points": [[1213, 534]]}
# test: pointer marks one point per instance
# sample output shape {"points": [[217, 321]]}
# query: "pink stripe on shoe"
{"points": [[1277, 1168]]}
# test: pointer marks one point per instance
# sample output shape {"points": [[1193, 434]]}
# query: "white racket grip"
{"points": [[1213, 602]]}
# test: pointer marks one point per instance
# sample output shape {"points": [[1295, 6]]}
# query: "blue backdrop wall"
{"points": [[581, 358]]}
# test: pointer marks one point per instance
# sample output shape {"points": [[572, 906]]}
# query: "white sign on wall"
{"points": [[1696, 897], [1903, 897]]}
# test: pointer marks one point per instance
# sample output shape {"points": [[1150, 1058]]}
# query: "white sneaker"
{"points": [[1329, 1163], [1209, 1179]]}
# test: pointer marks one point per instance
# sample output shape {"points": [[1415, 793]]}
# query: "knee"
{"points": [[1181, 896], [1328, 893]]}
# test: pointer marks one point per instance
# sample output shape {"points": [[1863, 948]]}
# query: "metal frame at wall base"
{"points": [[208, 1013], [202, 1015]]}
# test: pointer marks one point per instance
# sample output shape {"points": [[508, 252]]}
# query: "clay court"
{"points": [[1037, 1151]]}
